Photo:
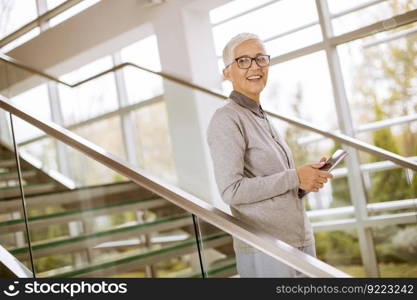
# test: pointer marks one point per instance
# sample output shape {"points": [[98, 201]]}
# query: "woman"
{"points": [[253, 165]]}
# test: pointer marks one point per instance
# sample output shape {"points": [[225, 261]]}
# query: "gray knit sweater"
{"points": [[255, 173]]}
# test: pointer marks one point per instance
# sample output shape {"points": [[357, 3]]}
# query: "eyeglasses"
{"points": [[245, 62]]}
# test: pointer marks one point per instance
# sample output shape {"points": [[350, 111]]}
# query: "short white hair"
{"points": [[228, 51]]}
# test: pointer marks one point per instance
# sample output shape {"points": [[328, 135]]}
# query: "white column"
{"points": [[187, 51]]}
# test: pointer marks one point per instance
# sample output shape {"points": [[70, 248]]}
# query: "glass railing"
{"points": [[111, 230], [107, 230], [124, 230]]}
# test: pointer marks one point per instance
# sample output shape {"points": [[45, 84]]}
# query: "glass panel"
{"points": [[142, 85], [369, 15], [306, 95], [92, 98], [228, 258], [291, 42], [385, 181], [154, 143], [234, 8], [396, 250], [106, 230], [17, 81], [29, 92], [15, 14], [97, 173], [394, 186], [106, 133], [53, 3], [3, 79], [11, 207], [336, 6], [42, 152], [217, 252], [384, 60], [266, 22], [36, 102], [341, 250]]}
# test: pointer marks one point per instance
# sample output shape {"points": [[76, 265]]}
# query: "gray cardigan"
{"points": [[255, 173]]}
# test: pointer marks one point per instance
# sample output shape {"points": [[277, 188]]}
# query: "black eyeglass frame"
{"points": [[252, 59]]}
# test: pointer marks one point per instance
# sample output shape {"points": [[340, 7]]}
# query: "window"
{"points": [[368, 15], [34, 101], [142, 85], [92, 98], [267, 22], [15, 14]]}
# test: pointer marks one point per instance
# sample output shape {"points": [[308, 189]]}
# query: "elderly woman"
{"points": [[254, 167]]}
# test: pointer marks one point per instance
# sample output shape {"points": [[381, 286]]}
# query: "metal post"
{"points": [[199, 243], [24, 208]]}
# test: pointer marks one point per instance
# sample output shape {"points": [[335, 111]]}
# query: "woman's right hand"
{"points": [[311, 178]]}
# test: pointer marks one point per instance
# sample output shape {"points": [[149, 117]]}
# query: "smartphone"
{"points": [[330, 164], [334, 160]]}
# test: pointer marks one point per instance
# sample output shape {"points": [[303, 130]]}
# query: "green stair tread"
{"points": [[74, 212], [216, 269], [76, 190], [15, 172], [25, 186], [96, 234], [131, 258]]}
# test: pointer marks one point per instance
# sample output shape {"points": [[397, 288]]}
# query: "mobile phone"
{"points": [[330, 164], [334, 160]]}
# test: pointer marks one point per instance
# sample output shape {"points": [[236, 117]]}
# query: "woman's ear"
{"points": [[226, 73]]}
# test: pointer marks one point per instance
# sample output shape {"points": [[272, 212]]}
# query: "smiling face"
{"points": [[249, 82]]}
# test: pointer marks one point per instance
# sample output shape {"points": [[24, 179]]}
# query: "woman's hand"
{"points": [[311, 178]]}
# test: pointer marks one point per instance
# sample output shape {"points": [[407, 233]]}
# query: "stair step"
{"points": [[7, 163], [133, 262], [84, 214], [85, 194], [93, 239], [226, 268], [14, 175], [29, 189]]}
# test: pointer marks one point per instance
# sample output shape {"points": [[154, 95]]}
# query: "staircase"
{"points": [[110, 230]]}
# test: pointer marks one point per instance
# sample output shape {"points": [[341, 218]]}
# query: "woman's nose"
{"points": [[254, 66]]}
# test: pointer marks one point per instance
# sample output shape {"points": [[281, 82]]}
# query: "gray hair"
{"points": [[235, 41]]}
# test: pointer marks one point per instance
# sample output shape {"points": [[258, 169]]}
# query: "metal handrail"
{"points": [[12, 265], [342, 138], [248, 233]]}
